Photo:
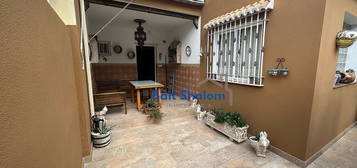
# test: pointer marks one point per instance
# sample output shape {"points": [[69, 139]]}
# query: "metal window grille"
{"points": [[236, 50]]}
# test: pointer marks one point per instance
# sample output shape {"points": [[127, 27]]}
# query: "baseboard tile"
{"points": [[305, 163], [327, 146]]}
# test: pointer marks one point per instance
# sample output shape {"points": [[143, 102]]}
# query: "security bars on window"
{"points": [[236, 50]]}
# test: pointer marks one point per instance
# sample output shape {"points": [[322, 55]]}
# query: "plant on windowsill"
{"points": [[260, 143], [151, 105]]}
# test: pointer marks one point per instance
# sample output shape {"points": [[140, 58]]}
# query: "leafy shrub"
{"points": [[155, 115], [219, 114], [235, 119], [231, 118], [151, 103]]}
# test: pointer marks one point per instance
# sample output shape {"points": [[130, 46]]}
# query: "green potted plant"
{"points": [[235, 126], [151, 105], [155, 115], [101, 133], [231, 124]]}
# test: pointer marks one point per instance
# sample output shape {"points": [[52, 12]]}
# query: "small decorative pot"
{"points": [[260, 145], [101, 140], [345, 38], [278, 71]]}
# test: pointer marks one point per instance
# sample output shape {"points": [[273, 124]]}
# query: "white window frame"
{"points": [[236, 71]]}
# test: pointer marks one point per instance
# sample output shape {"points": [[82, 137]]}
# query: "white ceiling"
{"points": [[102, 14]]}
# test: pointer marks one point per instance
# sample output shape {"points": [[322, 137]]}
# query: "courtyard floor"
{"points": [[179, 140]]}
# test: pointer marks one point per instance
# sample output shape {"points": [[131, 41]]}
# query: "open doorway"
{"points": [[117, 61], [145, 62]]}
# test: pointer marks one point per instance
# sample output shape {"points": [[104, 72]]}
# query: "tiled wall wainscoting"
{"points": [[186, 75], [109, 72]]}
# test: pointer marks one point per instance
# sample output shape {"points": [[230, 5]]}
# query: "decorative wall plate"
{"points": [[117, 49], [131, 54], [188, 51]]}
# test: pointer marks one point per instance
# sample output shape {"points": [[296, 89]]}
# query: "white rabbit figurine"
{"points": [[262, 144], [194, 102], [199, 114]]}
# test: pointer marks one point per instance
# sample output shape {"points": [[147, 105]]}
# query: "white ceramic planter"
{"points": [[101, 140], [260, 145], [238, 134]]}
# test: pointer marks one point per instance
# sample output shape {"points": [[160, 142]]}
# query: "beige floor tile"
{"points": [[183, 142]]}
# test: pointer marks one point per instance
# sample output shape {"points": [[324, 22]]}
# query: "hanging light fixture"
{"points": [[140, 35]]}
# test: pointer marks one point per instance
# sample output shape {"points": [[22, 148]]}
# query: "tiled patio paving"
{"points": [[181, 141]]}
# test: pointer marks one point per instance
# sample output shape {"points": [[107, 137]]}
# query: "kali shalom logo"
{"points": [[187, 94]]}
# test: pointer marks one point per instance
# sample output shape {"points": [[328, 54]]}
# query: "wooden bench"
{"points": [[111, 99]]}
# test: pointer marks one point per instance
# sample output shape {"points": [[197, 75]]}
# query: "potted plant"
{"points": [[155, 115], [278, 71], [101, 133], [151, 105], [260, 143], [345, 38], [231, 124], [236, 126]]}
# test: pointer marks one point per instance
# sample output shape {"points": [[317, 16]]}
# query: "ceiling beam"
{"points": [[147, 9]]}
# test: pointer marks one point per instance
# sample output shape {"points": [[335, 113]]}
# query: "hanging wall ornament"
{"points": [[345, 38]]}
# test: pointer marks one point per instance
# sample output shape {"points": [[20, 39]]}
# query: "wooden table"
{"points": [[137, 86]]}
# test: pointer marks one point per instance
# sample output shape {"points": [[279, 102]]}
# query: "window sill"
{"points": [[235, 83], [343, 85]]}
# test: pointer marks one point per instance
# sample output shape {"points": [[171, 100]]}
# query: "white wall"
{"points": [[123, 34], [65, 10], [188, 35], [351, 61]]}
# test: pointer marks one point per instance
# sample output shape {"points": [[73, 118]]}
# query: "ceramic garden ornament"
{"points": [[260, 145], [193, 101], [200, 114]]}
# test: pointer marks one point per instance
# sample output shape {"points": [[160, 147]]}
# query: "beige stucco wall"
{"points": [[39, 96], [333, 110], [283, 106]]}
